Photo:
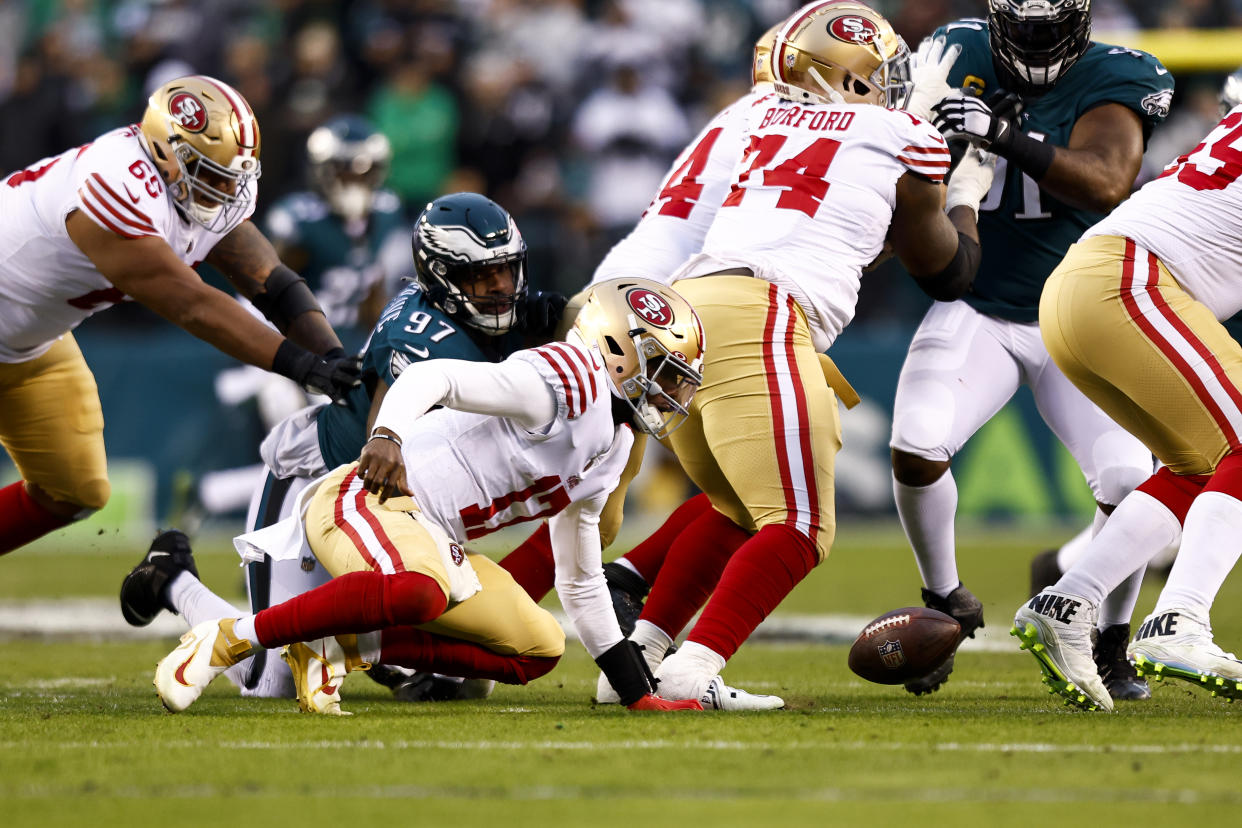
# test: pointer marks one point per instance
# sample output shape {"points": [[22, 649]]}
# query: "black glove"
{"points": [[543, 312], [332, 374]]}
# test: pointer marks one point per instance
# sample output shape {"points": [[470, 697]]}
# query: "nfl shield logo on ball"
{"points": [[891, 655]]}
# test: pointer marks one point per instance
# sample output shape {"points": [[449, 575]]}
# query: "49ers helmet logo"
{"points": [[651, 307], [188, 111], [853, 29]]}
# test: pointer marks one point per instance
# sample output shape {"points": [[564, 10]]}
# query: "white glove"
{"points": [[971, 180], [929, 71]]}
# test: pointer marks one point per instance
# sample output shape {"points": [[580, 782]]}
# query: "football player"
{"points": [[831, 171], [1132, 315], [470, 294], [1068, 119], [128, 216], [544, 434]]}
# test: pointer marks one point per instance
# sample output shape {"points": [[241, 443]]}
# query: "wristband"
{"points": [[382, 436], [293, 361], [1031, 156]]}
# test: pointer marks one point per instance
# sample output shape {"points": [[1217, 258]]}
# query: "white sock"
{"points": [[1138, 529], [927, 515], [1118, 607], [369, 646], [196, 603], [1209, 551], [1072, 549], [654, 641], [244, 628], [706, 660]]}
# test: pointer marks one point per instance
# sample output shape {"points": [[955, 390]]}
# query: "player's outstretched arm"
{"points": [[1097, 169], [148, 270], [940, 251], [250, 262]]}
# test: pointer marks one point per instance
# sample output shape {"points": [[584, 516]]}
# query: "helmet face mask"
{"points": [[1231, 93], [652, 345], [204, 139], [841, 52], [1035, 42], [470, 259], [349, 161]]}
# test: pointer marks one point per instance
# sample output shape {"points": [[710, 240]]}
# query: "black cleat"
{"points": [[415, 686], [968, 611], [1045, 571], [1122, 680], [628, 590], [142, 591]]}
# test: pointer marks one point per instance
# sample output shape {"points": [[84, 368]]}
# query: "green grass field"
{"points": [[86, 740]]}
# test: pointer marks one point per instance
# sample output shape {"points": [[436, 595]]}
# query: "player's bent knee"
{"points": [[913, 470], [546, 639], [525, 669], [1115, 482], [74, 502]]}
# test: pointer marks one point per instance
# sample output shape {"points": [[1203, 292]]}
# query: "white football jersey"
{"points": [[47, 285], [811, 199], [475, 473], [673, 226], [1191, 218]]}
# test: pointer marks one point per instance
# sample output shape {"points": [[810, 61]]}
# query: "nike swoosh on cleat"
{"points": [[151, 555], [179, 675]]}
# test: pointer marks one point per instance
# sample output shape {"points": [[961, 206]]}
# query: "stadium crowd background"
{"points": [[567, 112]]}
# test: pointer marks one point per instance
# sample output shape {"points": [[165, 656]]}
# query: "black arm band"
{"points": [[285, 296], [292, 361], [1031, 156], [953, 282], [627, 671]]}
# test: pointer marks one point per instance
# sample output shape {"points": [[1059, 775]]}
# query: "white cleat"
{"points": [[1178, 643], [205, 652], [319, 668], [1056, 629], [679, 680]]}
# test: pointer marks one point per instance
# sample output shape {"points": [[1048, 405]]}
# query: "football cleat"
{"points": [[654, 702], [414, 686], [142, 591], [628, 590], [1045, 571], [1056, 629], [1116, 671], [968, 611], [605, 694], [319, 668], [205, 652], [679, 680], [1178, 644]]}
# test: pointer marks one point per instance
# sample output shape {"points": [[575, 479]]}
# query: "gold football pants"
{"points": [[349, 530], [1154, 359], [51, 424], [763, 430]]}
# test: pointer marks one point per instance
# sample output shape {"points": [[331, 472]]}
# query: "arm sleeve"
{"points": [[110, 204], [580, 580], [924, 151], [512, 389]]}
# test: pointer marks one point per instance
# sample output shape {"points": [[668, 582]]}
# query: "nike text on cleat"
{"points": [[205, 652], [1056, 629], [968, 611], [142, 591], [1178, 643], [319, 668]]}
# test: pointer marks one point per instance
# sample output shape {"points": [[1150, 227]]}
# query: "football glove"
{"points": [[991, 124], [971, 179], [334, 374], [543, 312], [929, 71]]}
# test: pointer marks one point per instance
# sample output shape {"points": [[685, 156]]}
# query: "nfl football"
{"points": [[903, 644]]}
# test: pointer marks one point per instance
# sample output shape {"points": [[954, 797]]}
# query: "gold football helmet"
{"points": [[203, 137], [761, 66], [652, 344], [835, 52]]}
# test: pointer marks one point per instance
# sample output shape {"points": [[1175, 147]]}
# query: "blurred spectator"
{"points": [[419, 116]]}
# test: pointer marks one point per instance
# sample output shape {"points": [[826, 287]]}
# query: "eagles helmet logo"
{"points": [[188, 111], [853, 29], [651, 307]]}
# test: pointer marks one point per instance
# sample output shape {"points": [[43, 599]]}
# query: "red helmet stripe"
{"points": [[247, 132]]}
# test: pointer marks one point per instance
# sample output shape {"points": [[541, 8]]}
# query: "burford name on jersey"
{"points": [[799, 116]]}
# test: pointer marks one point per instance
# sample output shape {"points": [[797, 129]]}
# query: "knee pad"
{"points": [[923, 427], [1115, 482]]}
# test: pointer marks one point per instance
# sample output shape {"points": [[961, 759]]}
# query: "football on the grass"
{"points": [[903, 644]]}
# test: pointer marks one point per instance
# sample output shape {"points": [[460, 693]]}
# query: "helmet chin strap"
{"points": [[831, 94]]}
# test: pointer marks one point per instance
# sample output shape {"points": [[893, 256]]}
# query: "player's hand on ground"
{"points": [[654, 702], [381, 467], [929, 72]]}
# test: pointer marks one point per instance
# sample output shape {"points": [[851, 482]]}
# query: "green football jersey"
{"points": [[1024, 232]]}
